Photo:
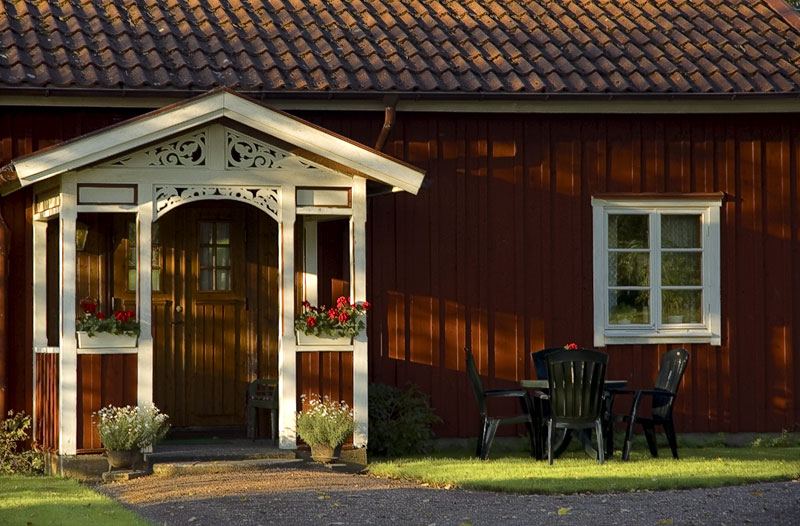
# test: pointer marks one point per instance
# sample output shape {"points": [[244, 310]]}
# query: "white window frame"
{"points": [[709, 331]]}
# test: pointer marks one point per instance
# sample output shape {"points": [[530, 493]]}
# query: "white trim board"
{"points": [[675, 105], [138, 132]]}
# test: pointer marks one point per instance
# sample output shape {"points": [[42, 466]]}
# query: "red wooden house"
{"points": [[622, 174]]}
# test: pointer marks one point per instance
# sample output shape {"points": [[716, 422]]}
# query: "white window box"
{"points": [[310, 342], [106, 340], [656, 270]]}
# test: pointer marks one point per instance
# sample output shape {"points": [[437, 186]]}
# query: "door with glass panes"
{"points": [[215, 310]]}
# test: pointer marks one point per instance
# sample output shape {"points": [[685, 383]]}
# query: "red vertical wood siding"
{"points": [[103, 380], [496, 252], [46, 433]]}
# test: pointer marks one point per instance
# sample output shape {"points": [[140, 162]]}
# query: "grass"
{"points": [[575, 472], [41, 501]]}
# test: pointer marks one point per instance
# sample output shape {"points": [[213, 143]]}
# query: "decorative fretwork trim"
{"points": [[187, 150], [265, 198], [242, 151]]}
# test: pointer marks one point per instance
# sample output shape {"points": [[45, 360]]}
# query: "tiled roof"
{"points": [[432, 46]]}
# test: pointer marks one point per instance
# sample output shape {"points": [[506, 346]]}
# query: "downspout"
{"points": [[389, 115], [4, 248]]}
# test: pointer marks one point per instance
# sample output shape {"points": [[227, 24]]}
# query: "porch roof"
{"points": [[308, 140]]}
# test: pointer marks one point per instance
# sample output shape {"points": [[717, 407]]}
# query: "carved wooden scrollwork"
{"points": [[188, 150], [265, 198]]}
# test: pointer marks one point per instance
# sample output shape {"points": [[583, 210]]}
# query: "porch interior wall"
{"points": [[103, 379], [496, 252]]}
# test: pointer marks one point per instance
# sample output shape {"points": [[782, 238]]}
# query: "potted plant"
{"points": [[98, 330], [324, 425], [622, 314], [125, 431], [330, 326]]}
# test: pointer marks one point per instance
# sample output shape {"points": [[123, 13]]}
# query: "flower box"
{"points": [[105, 340], [310, 339]]}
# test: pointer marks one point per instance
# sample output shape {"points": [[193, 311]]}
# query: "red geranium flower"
{"points": [[306, 304], [571, 346], [342, 301], [311, 321], [343, 317], [332, 313], [101, 315], [88, 306], [366, 305]]}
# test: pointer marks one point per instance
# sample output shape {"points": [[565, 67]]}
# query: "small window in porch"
{"points": [[130, 260], [214, 254]]}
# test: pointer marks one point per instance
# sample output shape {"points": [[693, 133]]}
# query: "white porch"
{"points": [[219, 147]]}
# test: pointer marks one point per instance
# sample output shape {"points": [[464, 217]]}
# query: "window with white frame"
{"points": [[656, 271]]}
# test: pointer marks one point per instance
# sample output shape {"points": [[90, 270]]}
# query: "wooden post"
{"points": [[4, 244], [39, 303], [144, 293], [358, 290], [287, 360], [68, 369]]}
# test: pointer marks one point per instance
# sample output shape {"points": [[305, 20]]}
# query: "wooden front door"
{"points": [[215, 310]]}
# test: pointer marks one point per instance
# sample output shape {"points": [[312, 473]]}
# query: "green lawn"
{"points": [[575, 472], [39, 501]]}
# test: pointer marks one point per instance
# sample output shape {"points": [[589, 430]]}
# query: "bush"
{"points": [[325, 422], [13, 433], [399, 420], [126, 428]]}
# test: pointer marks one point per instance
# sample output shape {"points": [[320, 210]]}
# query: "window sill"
{"points": [[630, 337]]}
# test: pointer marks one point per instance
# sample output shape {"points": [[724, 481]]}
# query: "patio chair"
{"points": [[562, 437], [262, 394], [670, 372], [575, 379], [489, 424]]}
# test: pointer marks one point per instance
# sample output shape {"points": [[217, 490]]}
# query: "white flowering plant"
{"points": [[126, 428], [324, 422]]}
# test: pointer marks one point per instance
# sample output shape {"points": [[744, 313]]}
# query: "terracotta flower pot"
{"points": [[122, 459], [324, 453]]}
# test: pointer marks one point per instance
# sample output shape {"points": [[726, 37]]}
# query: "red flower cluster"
{"points": [[346, 318], [123, 315], [88, 306], [571, 346]]}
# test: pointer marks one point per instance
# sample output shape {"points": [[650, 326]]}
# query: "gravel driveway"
{"points": [[321, 497]]}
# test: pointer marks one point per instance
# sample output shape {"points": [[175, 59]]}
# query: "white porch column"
{"points": [[287, 361], [358, 290], [144, 293], [39, 301], [68, 369]]}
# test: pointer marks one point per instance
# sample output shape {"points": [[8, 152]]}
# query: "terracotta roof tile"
{"points": [[515, 46]]}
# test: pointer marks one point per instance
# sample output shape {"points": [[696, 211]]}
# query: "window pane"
{"points": [[205, 233], [223, 257], [629, 269], [681, 268], [205, 280], [156, 233], [628, 231], [628, 307], [131, 233], [132, 279], [156, 257], [223, 280], [223, 234], [205, 257], [131, 256], [681, 231], [682, 306], [156, 279]]}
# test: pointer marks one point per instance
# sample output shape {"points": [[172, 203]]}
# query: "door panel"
{"points": [[211, 337]]}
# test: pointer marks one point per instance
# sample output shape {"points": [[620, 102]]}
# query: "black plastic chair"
{"points": [[262, 394], [670, 372], [575, 379], [541, 405], [539, 359], [489, 424]]}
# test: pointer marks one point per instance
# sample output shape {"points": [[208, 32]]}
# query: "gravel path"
{"points": [[320, 497]]}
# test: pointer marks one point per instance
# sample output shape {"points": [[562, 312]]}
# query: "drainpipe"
{"points": [[388, 120], [4, 242]]}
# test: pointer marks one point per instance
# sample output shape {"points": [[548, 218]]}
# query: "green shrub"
{"points": [[14, 433], [399, 420]]}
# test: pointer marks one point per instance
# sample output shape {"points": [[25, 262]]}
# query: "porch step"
{"points": [[171, 469]]}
